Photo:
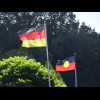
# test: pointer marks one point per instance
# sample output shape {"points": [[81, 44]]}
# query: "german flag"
{"points": [[66, 65], [33, 37]]}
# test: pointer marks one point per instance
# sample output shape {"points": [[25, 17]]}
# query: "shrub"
{"points": [[19, 72]]}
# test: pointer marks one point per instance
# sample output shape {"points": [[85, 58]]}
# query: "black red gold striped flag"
{"points": [[33, 37]]}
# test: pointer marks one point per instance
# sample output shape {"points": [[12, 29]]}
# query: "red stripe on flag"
{"points": [[32, 36], [62, 68]]}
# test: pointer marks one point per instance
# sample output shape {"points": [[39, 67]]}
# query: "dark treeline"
{"points": [[65, 38]]}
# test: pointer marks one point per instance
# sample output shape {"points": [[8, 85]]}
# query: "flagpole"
{"points": [[47, 54], [75, 74]]}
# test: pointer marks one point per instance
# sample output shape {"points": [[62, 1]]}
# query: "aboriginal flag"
{"points": [[66, 65], [33, 37]]}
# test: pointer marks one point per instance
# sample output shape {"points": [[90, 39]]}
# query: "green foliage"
{"points": [[57, 74], [64, 38], [20, 72]]}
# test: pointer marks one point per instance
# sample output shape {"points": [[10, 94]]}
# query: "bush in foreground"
{"points": [[20, 72]]}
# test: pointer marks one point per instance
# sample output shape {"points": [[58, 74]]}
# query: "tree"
{"points": [[20, 72]]}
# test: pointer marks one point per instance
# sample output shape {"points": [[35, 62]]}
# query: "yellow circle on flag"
{"points": [[66, 64]]}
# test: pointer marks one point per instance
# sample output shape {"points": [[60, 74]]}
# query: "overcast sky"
{"points": [[91, 19]]}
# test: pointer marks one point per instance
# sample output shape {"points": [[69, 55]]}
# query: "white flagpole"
{"points": [[75, 78], [75, 74], [47, 54]]}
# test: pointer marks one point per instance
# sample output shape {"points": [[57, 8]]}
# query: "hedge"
{"points": [[22, 72]]}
